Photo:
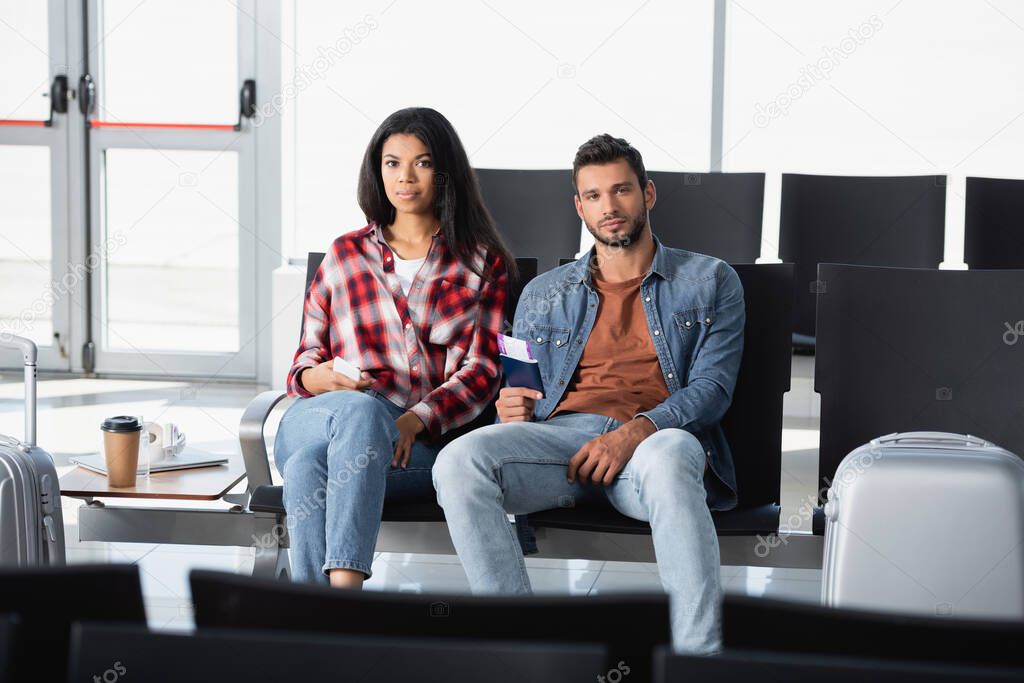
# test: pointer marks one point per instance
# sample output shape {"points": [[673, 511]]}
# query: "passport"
{"points": [[521, 369]]}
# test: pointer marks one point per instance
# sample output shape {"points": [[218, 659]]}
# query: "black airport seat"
{"points": [[718, 214], [273, 656], [994, 223], [809, 629], [875, 221], [224, 600], [534, 212], [753, 424], [8, 640], [268, 498], [46, 601], [902, 349], [765, 667]]}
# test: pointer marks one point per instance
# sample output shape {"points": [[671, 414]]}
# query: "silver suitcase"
{"points": [[31, 523], [927, 523]]}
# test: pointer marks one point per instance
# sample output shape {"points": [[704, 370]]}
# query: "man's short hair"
{"points": [[603, 149]]}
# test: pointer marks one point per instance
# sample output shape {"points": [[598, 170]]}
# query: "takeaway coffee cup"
{"points": [[121, 449]]}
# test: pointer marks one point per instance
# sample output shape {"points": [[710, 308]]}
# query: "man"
{"points": [[639, 346]]}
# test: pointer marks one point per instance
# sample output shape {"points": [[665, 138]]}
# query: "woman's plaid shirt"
{"points": [[433, 351]]}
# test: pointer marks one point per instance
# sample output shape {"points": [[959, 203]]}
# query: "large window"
{"points": [[26, 242], [24, 40], [524, 84], [170, 61], [171, 250], [876, 87]]}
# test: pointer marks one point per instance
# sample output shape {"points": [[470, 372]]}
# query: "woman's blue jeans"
{"points": [[334, 451]]}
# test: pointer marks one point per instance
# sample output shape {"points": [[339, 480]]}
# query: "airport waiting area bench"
{"points": [[753, 427]]}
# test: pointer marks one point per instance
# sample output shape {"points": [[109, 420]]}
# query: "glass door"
{"points": [[38, 282], [172, 187]]}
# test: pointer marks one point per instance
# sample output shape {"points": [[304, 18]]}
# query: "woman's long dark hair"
{"points": [[458, 205]]}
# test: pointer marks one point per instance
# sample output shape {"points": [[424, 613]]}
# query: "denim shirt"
{"points": [[695, 315]]}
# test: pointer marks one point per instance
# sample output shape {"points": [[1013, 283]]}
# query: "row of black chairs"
{"points": [[712, 213], [900, 350], [88, 623], [895, 221]]}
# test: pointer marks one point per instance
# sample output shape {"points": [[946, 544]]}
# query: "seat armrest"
{"points": [[250, 438], [267, 499]]}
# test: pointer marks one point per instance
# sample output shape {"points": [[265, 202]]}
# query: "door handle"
{"points": [[60, 346], [59, 96], [246, 102], [86, 94]]}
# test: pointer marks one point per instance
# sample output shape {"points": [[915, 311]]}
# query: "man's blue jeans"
{"points": [[334, 451], [521, 467]]}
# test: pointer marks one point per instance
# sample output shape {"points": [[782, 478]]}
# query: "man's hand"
{"points": [[515, 404], [409, 426], [323, 378], [603, 457]]}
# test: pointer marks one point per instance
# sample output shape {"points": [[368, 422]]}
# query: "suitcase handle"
{"points": [[965, 440], [28, 352], [11, 441]]}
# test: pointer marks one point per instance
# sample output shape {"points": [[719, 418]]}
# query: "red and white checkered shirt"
{"points": [[433, 351]]}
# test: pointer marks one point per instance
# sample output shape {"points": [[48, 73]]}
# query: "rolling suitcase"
{"points": [[927, 523], [31, 523]]}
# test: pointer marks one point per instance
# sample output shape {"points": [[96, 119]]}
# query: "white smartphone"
{"points": [[344, 367]]}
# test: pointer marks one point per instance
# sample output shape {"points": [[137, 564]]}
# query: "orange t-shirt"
{"points": [[618, 374]]}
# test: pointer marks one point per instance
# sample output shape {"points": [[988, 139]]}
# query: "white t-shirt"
{"points": [[405, 270]]}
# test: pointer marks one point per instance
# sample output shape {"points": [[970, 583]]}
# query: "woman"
{"points": [[414, 302]]}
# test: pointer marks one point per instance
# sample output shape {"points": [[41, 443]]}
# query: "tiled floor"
{"points": [[70, 411]]}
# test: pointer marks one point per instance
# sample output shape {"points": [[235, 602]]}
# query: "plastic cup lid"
{"points": [[121, 423]]}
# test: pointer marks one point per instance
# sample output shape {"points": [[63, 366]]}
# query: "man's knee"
{"points": [[670, 455], [466, 459]]}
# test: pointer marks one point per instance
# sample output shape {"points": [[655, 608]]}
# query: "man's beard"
{"points": [[625, 241]]}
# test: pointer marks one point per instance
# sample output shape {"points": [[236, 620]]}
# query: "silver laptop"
{"points": [[187, 459]]}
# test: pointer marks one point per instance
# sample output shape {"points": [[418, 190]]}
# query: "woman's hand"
{"points": [[408, 427], [323, 378]]}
